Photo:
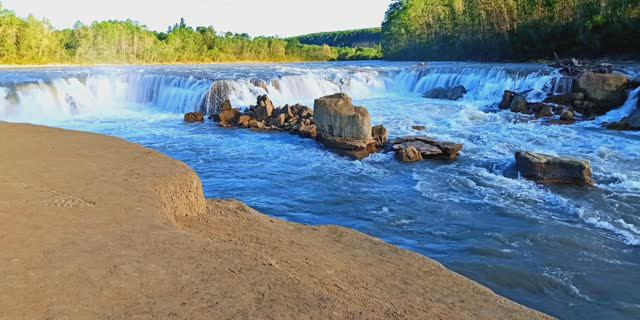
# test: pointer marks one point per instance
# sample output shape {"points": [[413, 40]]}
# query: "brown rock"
{"points": [[409, 154], [244, 120], [544, 112], [419, 128], [309, 131], [603, 87], [193, 117], [428, 147], [380, 135], [342, 127], [568, 116], [264, 109], [507, 98], [554, 170], [229, 117]]}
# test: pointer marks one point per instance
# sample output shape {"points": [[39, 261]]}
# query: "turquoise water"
{"points": [[567, 251]]}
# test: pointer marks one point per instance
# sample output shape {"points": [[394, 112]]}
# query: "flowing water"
{"points": [[571, 252]]}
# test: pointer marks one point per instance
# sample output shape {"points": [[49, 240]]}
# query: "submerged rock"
{"points": [[455, 93], [194, 117], [427, 147], [343, 127], [548, 169], [419, 128]]}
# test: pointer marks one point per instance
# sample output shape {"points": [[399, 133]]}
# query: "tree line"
{"points": [[33, 41], [510, 29]]}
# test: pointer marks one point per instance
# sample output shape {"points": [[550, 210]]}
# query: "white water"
{"points": [[107, 93]]}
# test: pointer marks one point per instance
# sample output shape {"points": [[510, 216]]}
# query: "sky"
{"points": [[255, 17]]}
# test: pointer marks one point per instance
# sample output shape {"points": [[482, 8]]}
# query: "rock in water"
{"points": [[193, 117], [264, 109], [380, 135], [507, 98], [427, 147], [219, 93], [228, 116], [455, 93], [554, 170], [604, 91], [409, 154], [568, 116], [519, 104], [343, 127]]}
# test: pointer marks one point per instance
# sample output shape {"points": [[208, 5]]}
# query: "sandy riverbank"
{"points": [[94, 227]]}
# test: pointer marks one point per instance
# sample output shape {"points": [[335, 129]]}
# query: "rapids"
{"points": [[573, 253]]}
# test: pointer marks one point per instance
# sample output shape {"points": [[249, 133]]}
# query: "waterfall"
{"points": [[115, 92], [618, 114], [482, 83]]}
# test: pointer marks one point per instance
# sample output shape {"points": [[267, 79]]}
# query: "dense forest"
{"points": [[511, 29], [33, 41], [359, 38], [360, 44]]}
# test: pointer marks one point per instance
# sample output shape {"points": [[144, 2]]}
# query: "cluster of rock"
{"points": [[548, 169], [452, 93], [418, 148], [264, 116], [516, 102]]}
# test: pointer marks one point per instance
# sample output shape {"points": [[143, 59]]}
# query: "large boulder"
{"points": [[604, 91], [193, 117], [343, 127], [548, 169], [218, 94], [427, 147], [455, 93]]}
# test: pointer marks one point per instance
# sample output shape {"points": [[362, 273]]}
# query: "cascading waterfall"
{"points": [[105, 94], [482, 83]]}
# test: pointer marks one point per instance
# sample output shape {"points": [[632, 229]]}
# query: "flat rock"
{"points": [[548, 169]]}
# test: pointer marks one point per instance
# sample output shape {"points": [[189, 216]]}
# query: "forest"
{"points": [[511, 29], [33, 41], [359, 38]]}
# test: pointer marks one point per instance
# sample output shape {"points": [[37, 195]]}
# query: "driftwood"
{"points": [[573, 67]]}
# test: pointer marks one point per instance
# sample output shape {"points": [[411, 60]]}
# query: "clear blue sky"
{"points": [[256, 17]]}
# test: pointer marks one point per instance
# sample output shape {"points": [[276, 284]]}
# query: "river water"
{"points": [[571, 252]]}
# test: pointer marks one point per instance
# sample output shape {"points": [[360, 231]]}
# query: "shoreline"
{"points": [[130, 229]]}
